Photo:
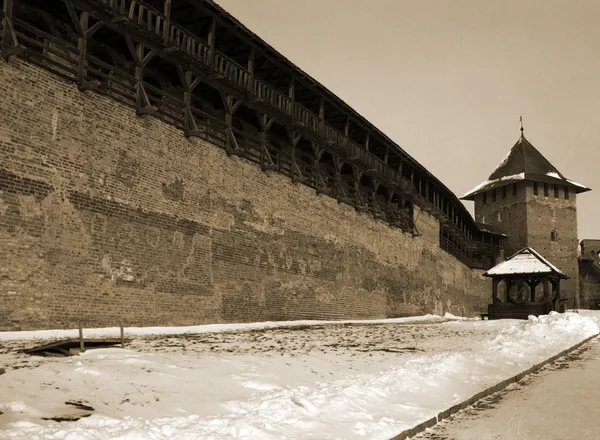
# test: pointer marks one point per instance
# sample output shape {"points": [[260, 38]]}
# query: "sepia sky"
{"points": [[448, 79]]}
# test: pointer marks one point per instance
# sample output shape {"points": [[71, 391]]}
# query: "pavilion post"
{"points": [[508, 284], [495, 282], [545, 283], [532, 285]]}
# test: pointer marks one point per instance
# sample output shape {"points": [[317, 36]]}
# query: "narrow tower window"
{"points": [[553, 236], [545, 190], [484, 198], [535, 188], [504, 192], [515, 189], [566, 193], [493, 195]]}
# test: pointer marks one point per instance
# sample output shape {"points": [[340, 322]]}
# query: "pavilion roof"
{"points": [[525, 262], [524, 162]]}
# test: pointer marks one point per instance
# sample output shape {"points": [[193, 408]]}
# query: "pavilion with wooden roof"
{"points": [[521, 274]]}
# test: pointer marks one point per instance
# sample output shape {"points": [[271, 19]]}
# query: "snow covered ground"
{"points": [[301, 380]]}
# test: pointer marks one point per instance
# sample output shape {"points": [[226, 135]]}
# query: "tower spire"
{"points": [[521, 121]]}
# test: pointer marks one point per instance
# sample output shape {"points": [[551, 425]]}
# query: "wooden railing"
{"points": [[188, 43]]}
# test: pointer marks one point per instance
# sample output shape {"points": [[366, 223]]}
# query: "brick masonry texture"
{"points": [[106, 216], [529, 219]]}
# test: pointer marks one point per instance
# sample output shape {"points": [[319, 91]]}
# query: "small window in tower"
{"points": [[493, 195], [566, 193], [484, 198], [483, 219], [535, 188], [553, 236], [555, 191], [515, 189], [504, 192], [545, 190], [499, 216]]}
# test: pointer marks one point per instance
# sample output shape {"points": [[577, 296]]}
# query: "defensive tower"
{"points": [[531, 202]]}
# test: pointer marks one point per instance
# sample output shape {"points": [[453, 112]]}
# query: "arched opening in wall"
{"points": [[553, 236]]}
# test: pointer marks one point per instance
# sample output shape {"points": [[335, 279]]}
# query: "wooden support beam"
{"points": [[141, 60], [76, 19], [189, 83], [10, 44], [82, 45], [357, 173], [318, 154], [293, 138], [341, 193]]}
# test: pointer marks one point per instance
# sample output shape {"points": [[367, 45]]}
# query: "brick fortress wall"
{"points": [[107, 216], [589, 274]]}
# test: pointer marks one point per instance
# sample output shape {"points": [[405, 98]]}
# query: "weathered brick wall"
{"points": [[546, 214], [589, 274], [507, 213], [107, 216], [589, 284]]}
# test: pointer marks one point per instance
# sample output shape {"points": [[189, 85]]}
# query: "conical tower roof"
{"points": [[524, 162]]}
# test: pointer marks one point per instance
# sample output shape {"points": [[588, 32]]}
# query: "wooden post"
{"points": [[495, 282], [81, 347], [122, 336], [508, 284], [82, 46], [322, 115], [211, 42], [545, 283], [9, 36], [167, 23], [251, 56]]}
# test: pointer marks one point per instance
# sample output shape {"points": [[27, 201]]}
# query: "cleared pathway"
{"points": [[560, 402]]}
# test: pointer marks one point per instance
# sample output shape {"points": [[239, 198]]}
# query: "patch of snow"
{"points": [[554, 174], [340, 394], [576, 184], [525, 261], [519, 176]]}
